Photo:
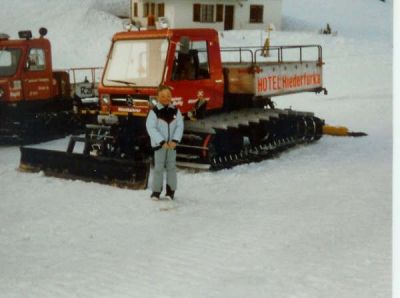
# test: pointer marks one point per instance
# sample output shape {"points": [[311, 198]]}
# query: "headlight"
{"points": [[1, 92], [105, 99]]}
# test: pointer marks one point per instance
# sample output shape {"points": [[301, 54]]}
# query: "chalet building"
{"points": [[217, 14]]}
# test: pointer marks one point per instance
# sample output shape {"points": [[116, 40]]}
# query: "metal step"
{"points": [[193, 165]]}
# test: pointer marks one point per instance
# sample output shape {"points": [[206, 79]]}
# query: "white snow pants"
{"points": [[164, 160]]}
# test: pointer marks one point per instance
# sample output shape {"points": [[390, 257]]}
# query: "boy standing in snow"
{"points": [[165, 127]]}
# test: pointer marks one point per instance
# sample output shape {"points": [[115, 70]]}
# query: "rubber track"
{"points": [[226, 140]]}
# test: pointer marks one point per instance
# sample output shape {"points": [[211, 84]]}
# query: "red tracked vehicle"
{"points": [[230, 116], [36, 102]]}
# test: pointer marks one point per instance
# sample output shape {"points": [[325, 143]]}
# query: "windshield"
{"points": [[136, 63], [9, 59]]}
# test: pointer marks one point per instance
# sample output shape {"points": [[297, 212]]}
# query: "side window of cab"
{"points": [[191, 61], [36, 60]]}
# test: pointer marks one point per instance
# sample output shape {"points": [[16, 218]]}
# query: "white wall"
{"points": [[272, 14], [180, 13]]}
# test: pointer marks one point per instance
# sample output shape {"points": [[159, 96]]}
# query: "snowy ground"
{"points": [[315, 222]]}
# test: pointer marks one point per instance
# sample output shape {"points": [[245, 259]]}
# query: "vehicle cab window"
{"points": [[9, 59], [191, 62], [36, 60]]}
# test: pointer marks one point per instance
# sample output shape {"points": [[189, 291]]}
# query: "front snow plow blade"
{"points": [[125, 173]]}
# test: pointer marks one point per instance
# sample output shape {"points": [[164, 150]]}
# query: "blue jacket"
{"points": [[164, 124]]}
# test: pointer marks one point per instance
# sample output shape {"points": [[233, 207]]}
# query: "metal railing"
{"points": [[274, 51], [95, 74]]}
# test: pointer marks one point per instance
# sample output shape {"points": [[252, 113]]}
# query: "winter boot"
{"points": [[170, 193], [155, 196]]}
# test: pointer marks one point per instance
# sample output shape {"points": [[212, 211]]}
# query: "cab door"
{"points": [[193, 75], [37, 77]]}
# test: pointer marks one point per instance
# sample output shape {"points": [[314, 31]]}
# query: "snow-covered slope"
{"points": [[80, 31], [315, 222], [366, 19]]}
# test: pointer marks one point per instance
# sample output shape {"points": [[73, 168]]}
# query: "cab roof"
{"points": [[208, 34], [34, 42]]}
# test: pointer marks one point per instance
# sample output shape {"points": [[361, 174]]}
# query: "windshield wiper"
{"points": [[123, 82]]}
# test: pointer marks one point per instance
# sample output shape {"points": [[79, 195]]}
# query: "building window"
{"points": [[203, 13], [196, 12], [220, 13], [256, 13], [160, 9], [145, 9], [149, 8], [207, 13], [135, 9]]}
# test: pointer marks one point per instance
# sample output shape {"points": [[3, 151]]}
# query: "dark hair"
{"points": [[163, 87]]}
